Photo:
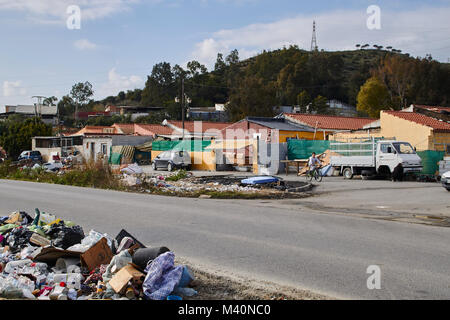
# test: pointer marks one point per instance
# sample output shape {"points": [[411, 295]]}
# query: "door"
{"points": [[93, 151], [387, 156], [162, 160]]}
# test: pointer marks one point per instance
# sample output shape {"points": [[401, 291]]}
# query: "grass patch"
{"points": [[180, 175], [92, 175]]}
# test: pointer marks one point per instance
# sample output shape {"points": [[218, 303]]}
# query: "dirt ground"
{"points": [[213, 285]]}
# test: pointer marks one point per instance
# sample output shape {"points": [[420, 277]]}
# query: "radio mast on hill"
{"points": [[314, 46]]}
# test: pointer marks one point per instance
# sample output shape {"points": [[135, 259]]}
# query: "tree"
{"points": [[81, 94], [373, 97], [50, 101], [396, 74], [303, 100], [196, 68], [252, 97], [16, 136], [66, 106], [320, 105], [233, 57], [121, 96], [220, 63], [160, 87]]}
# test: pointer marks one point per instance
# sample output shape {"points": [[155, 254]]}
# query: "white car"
{"points": [[52, 166], [445, 179]]}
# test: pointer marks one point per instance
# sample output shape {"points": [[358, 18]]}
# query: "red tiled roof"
{"points": [[433, 108], [94, 130], [189, 125], [329, 122], [436, 125], [153, 128], [127, 128]]}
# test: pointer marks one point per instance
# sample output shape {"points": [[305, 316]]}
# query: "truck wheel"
{"points": [[348, 173], [154, 166], [170, 167]]}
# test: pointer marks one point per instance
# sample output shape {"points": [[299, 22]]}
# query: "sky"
{"points": [[118, 41]]}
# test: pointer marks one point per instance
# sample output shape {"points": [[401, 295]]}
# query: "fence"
{"points": [[302, 149], [192, 146], [430, 161]]}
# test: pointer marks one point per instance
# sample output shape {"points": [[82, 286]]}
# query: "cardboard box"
{"points": [[49, 255], [119, 281], [39, 240], [97, 255]]}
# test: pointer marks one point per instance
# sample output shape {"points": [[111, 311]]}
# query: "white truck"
{"points": [[374, 157]]}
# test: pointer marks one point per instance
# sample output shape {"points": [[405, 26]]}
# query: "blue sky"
{"points": [[120, 40]]}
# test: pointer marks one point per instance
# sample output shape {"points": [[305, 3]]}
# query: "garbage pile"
{"points": [[194, 184], [46, 258]]}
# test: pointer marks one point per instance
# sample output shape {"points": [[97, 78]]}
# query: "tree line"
{"points": [[372, 80]]}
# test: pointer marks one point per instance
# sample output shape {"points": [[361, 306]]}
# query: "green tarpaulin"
{"points": [[180, 145], [430, 161], [302, 149]]}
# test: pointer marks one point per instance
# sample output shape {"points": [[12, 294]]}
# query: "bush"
{"points": [[180, 175], [95, 175]]}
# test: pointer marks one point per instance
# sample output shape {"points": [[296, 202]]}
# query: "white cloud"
{"points": [[13, 88], [56, 9], [84, 44], [117, 83], [411, 31]]}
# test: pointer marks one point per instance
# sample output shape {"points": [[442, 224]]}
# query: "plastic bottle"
{"points": [[72, 294], [11, 293], [73, 280], [14, 266]]}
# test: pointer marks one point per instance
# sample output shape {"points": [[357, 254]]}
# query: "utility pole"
{"points": [[38, 112], [314, 46], [182, 103]]}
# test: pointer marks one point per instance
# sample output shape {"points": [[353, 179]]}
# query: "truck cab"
{"points": [[392, 153]]}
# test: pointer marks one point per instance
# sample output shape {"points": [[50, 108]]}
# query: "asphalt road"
{"points": [[325, 253]]}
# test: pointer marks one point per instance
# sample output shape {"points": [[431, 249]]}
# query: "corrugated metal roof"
{"points": [[280, 124]]}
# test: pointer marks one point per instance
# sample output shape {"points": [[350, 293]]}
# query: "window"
{"points": [[104, 148], [385, 148], [404, 148]]}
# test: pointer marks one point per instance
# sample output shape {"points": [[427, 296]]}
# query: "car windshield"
{"points": [[404, 148]]}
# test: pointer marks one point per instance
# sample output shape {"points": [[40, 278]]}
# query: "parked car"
{"points": [[34, 156], [171, 160], [445, 179]]}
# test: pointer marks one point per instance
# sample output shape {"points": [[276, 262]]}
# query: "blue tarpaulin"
{"points": [[259, 180]]}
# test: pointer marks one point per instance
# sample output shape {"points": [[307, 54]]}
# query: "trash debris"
{"points": [[143, 256], [47, 258], [162, 277], [259, 180]]}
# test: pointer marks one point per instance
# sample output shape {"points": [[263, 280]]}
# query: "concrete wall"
{"points": [[94, 152], [440, 140], [417, 135]]}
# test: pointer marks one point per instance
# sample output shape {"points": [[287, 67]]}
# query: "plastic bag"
{"points": [[65, 237], [19, 238], [118, 262], [91, 240]]}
